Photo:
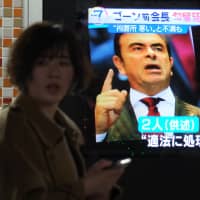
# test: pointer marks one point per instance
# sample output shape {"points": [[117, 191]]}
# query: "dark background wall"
{"points": [[61, 11]]}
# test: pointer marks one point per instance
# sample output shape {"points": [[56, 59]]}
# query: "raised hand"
{"points": [[109, 104]]}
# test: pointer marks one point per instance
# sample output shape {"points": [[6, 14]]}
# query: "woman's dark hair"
{"points": [[47, 37], [117, 45]]}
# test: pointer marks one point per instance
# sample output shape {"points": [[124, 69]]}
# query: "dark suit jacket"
{"points": [[38, 159], [125, 128]]}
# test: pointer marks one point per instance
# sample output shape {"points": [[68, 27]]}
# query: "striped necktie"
{"points": [[151, 103]]}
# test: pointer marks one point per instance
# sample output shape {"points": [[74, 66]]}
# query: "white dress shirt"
{"points": [[165, 107]]}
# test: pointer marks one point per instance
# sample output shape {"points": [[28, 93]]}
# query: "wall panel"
{"points": [[15, 15]]}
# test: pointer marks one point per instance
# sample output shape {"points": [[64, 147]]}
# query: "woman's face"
{"points": [[51, 78]]}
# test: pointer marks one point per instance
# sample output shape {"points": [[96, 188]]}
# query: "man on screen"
{"points": [[146, 61]]}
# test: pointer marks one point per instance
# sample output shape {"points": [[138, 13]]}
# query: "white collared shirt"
{"points": [[165, 108]]}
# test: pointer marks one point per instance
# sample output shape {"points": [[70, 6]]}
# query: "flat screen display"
{"points": [[181, 30]]}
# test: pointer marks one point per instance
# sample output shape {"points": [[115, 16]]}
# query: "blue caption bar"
{"points": [[148, 28], [177, 124], [143, 28]]}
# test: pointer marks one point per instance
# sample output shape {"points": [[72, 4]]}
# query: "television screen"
{"points": [[175, 126]]}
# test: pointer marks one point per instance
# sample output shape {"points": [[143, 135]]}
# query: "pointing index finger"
{"points": [[107, 85]]}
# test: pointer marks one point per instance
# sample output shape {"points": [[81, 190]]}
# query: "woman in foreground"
{"points": [[40, 156]]}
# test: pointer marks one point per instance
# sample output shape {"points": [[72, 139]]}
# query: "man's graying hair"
{"points": [[117, 45]]}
